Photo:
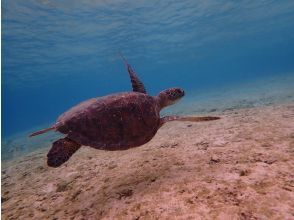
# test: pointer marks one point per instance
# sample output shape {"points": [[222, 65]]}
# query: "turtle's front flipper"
{"points": [[61, 151], [186, 118], [137, 85]]}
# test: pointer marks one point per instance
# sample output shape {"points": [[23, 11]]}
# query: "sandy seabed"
{"points": [[239, 167]]}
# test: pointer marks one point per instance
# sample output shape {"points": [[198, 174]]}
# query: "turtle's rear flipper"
{"points": [[61, 151], [42, 131]]}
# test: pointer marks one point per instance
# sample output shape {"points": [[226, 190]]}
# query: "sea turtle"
{"points": [[113, 122]]}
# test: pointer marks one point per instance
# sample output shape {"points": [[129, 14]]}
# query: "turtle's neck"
{"points": [[162, 100]]}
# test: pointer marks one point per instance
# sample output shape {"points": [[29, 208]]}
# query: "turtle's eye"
{"points": [[176, 93]]}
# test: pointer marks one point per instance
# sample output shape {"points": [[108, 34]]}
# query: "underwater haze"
{"points": [[224, 54]]}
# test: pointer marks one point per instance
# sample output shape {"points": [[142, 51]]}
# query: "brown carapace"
{"points": [[114, 122]]}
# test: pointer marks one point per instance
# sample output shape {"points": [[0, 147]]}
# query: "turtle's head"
{"points": [[170, 96]]}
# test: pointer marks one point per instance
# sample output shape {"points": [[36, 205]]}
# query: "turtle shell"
{"points": [[114, 122]]}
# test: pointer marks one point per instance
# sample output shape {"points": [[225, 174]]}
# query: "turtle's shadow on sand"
{"points": [[145, 176]]}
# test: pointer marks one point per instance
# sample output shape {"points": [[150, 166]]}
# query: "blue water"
{"points": [[58, 53]]}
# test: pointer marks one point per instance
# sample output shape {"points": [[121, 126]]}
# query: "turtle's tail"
{"points": [[42, 131]]}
